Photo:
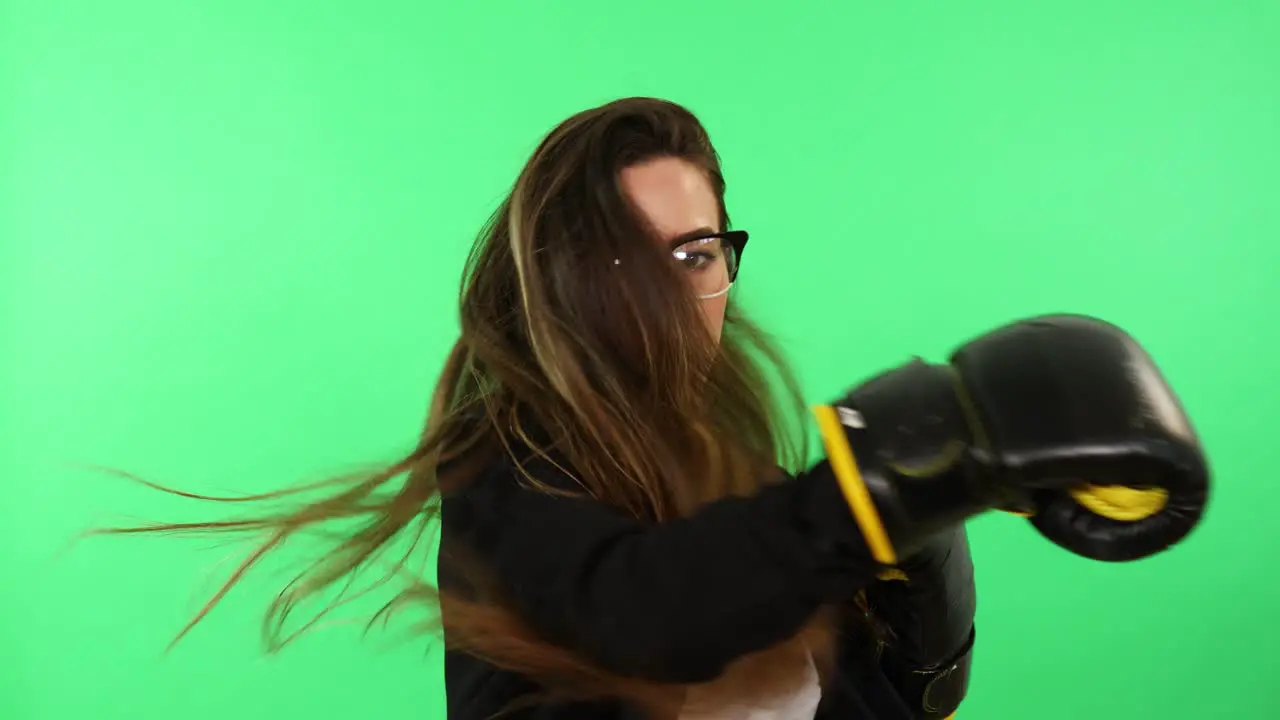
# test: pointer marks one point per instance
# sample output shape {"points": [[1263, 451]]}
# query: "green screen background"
{"points": [[232, 233]]}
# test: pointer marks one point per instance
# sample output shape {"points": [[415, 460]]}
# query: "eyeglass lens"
{"points": [[709, 264]]}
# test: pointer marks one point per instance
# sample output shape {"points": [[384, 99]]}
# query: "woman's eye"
{"points": [[694, 260], [698, 254]]}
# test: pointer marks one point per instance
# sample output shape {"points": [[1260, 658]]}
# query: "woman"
{"points": [[614, 454], [604, 384]]}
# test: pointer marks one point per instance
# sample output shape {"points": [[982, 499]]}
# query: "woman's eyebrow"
{"points": [[685, 237]]}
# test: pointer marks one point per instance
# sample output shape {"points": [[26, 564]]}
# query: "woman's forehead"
{"points": [[675, 197]]}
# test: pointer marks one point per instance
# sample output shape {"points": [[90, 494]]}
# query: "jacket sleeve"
{"points": [[674, 602]]}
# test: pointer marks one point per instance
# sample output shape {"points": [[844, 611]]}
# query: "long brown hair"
{"points": [[574, 324]]}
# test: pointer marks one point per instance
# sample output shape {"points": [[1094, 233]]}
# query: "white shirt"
{"points": [[800, 703]]}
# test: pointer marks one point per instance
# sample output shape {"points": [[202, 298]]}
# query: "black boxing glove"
{"points": [[1064, 418], [926, 607]]}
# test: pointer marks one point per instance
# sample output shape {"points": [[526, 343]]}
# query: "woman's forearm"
{"points": [[674, 602]]}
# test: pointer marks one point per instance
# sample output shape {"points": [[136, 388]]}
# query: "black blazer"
{"points": [[674, 602]]}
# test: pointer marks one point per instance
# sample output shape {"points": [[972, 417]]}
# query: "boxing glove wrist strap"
{"points": [[902, 470], [934, 692], [848, 474]]}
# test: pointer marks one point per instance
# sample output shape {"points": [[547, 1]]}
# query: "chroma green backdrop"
{"points": [[232, 233]]}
